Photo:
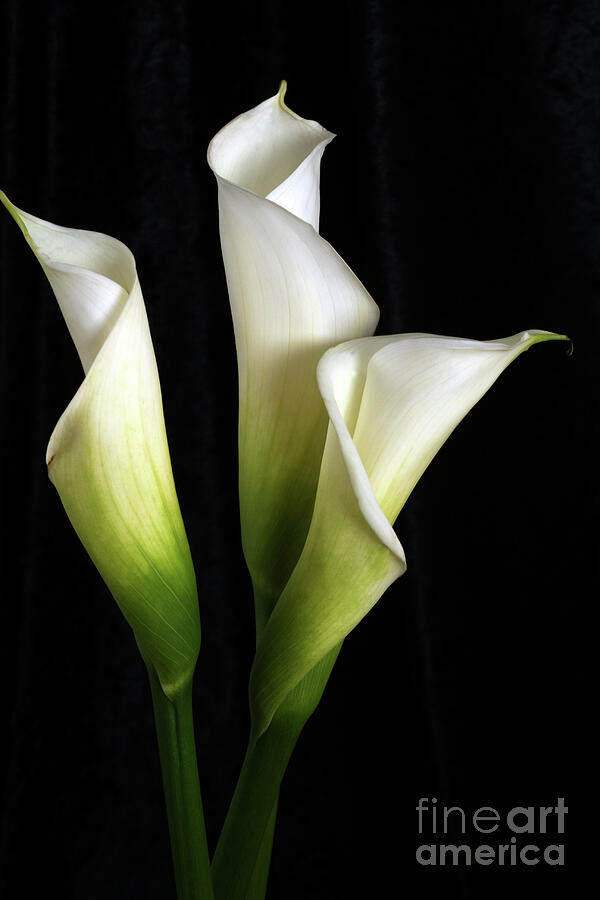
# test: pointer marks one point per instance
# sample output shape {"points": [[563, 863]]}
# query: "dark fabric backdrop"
{"points": [[464, 190]]}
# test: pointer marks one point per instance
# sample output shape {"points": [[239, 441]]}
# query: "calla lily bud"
{"points": [[292, 297], [108, 455], [392, 402]]}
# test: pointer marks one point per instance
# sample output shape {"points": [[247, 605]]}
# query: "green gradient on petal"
{"points": [[292, 297], [392, 402], [108, 455]]}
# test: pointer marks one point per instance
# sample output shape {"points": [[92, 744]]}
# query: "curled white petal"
{"points": [[292, 297], [275, 154], [410, 392], [392, 402], [341, 375], [108, 455]]}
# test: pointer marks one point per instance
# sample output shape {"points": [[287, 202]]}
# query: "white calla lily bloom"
{"points": [[292, 297], [392, 403], [108, 455]]}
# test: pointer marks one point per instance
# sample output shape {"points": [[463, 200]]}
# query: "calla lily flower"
{"points": [[392, 402], [108, 455], [292, 297]]}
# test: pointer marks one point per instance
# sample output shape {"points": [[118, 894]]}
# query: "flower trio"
{"points": [[335, 428]]}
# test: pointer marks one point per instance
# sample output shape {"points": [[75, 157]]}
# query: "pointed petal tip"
{"points": [[534, 336], [24, 221], [22, 218], [279, 98], [6, 201], [17, 215]]}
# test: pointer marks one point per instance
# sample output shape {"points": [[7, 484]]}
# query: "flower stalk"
{"points": [[241, 861], [177, 749]]}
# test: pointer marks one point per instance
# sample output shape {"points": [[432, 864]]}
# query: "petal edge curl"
{"points": [[292, 297], [381, 392], [108, 455]]}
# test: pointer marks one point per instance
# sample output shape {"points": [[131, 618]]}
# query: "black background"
{"points": [[464, 191]]}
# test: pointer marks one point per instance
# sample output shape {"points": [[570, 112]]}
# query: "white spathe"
{"points": [[292, 297], [392, 403], [108, 455]]}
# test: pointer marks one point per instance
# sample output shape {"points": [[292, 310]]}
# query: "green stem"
{"points": [[177, 749], [257, 888], [244, 839], [242, 856]]}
